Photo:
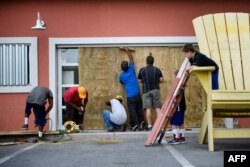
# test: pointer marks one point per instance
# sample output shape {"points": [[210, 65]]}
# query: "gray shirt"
{"points": [[39, 95]]}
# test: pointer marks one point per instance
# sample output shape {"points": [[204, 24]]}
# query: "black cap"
{"points": [[124, 65]]}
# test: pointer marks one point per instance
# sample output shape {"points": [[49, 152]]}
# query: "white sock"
{"points": [[149, 126], [40, 134], [182, 132], [176, 133], [26, 120]]}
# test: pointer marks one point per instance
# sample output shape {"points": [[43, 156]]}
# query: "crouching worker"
{"points": [[76, 99], [37, 100], [117, 117]]}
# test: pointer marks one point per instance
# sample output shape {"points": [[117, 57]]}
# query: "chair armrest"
{"points": [[204, 74], [207, 68]]}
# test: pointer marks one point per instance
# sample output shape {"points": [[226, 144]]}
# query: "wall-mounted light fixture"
{"points": [[40, 25]]}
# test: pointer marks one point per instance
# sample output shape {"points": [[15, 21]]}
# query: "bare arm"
{"points": [[74, 106], [129, 55], [108, 103], [50, 100], [161, 79], [128, 51], [84, 103]]}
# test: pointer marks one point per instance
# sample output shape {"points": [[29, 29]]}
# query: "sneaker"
{"points": [[149, 129], [134, 128], [174, 141], [25, 127], [141, 127], [182, 140]]}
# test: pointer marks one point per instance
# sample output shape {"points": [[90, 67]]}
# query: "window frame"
{"points": [[33, 65]]}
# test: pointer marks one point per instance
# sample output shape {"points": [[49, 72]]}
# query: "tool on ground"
{"points": [[70, 126], [169, 107]]}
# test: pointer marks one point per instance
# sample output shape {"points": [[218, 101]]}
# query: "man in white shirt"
{"points": [[115, 119]]}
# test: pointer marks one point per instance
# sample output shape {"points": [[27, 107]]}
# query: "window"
{"points": [[18, 64], [68, 75]]}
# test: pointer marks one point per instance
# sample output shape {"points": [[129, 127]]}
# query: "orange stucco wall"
{"points": [[95, 18]]}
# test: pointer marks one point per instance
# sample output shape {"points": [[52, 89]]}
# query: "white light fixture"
{"points": [[40, 25]]}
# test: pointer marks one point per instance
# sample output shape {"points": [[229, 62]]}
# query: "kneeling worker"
{"points": [[115, 119]]}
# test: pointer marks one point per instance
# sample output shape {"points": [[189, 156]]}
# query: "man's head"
{"points": [[119, 97], [124, 65], [188, 51], [82, 92], [150, 59]]}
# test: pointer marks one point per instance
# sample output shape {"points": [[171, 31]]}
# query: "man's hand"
{"points": [[108, 103]]}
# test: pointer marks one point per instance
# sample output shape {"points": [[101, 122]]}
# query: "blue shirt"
{"points": [[129, 80]]}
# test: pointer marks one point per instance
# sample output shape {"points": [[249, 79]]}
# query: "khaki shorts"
{"points": [[152, 99]]}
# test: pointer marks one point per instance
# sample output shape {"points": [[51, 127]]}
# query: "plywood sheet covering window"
{"points": [[99, 70]]}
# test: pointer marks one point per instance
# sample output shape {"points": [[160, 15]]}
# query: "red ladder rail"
{"points": [[169, 105]]}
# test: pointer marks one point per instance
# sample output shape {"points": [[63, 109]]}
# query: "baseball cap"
{"points": [[82, 92], [119, 97]]}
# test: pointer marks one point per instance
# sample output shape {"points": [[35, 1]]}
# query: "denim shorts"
{"points": [[152, 99]]}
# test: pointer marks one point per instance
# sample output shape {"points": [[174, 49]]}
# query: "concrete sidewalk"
{"points": [[96, 148], [121, 135]]}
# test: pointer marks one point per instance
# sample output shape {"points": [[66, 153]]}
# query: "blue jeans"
{"points": [[109, 124], [215, 80]]}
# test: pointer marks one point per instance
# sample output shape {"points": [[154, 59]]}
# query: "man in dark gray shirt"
{"points": [[37, 100], [150, 77]]}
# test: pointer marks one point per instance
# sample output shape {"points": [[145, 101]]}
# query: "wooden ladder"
{"points": [[169, 106]]}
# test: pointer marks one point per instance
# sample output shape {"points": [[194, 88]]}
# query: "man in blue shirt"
{"points": [[128, 79]]}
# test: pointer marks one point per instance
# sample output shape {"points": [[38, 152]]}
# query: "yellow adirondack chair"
{"points": [[225, 38]]}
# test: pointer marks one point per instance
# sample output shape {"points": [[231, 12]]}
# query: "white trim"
{"points": [[54, 43], [117, 41], [33, 63]]}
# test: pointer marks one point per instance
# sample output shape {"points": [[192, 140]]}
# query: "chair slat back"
{"points": [[225, 38]]}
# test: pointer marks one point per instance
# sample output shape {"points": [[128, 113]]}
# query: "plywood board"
{"points": [[223, 43], [99, 69], [243, 23], [232, 30]]}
